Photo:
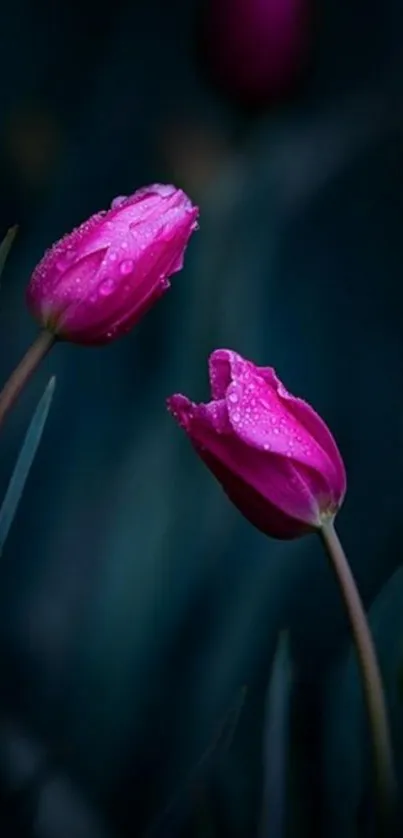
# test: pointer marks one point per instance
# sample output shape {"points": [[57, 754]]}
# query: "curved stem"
{"points": [[22, 373], [370, 677]]}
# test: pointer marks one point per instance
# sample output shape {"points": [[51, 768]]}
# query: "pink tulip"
{"points": [[256, 48], [273, 455], [97, 282]]}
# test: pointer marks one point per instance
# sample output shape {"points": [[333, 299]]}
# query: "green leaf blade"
{"points": [[6, 246], [24, 462]]}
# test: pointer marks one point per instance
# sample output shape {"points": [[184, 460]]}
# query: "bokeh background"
{"points": [[139, 613]]}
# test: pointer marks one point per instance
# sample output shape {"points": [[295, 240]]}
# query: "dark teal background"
{"points": [[139, 612]]}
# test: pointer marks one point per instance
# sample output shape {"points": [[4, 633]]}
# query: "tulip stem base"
{"points": [[371, 681], [23, 372]]}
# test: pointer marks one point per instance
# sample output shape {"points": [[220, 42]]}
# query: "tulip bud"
{"points": [[97, 282], [273, 455], [256, 48]]}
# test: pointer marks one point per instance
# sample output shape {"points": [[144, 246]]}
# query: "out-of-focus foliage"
{"points": [[24, 463], [347, 745], [6, 245], [276, 736]]}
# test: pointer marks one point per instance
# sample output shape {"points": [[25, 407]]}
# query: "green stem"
{"points": [[22, 373], [371, 680]]}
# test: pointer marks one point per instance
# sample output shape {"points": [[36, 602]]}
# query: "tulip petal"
{"points": [[249, 477], [272, 454], [136, 222], [261, 419], [219, 373], [128, 300], [269, 516], [309, 419], [61, 255], [65, 292], [96, 282]]}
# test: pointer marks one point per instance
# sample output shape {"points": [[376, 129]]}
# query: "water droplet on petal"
{"points": [[65, 259], [236, 416], [106, 288], [118, 201], [233, 398], [126, 267], [163, 189]]}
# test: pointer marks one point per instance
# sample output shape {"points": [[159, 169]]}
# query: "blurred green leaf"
{"points": [[348, 764], [276, 743], [24, 462], [194, 780], [6, 245], [400, 677]]}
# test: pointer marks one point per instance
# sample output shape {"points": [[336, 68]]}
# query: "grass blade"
{"points": [[275, 743], [6, 245], [24, 462], [221, 742]]}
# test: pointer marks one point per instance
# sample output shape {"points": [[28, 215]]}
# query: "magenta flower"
{"points": [[273, 455], [256, 48], [97, 282]]}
